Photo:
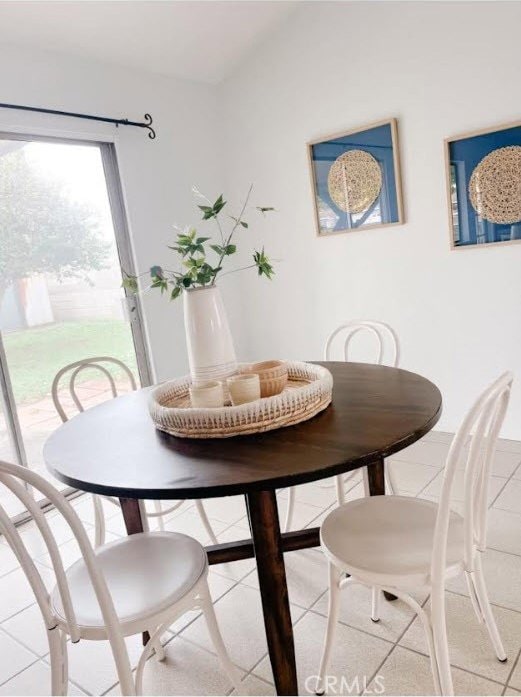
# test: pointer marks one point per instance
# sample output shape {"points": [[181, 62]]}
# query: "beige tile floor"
{"points": [[367, 656]]}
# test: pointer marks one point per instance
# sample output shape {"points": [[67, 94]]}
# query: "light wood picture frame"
{"points": [[356, 179], [483, 185]]}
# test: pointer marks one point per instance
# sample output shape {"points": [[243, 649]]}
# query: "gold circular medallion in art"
{"points": [[354, 181], [495, 186]]}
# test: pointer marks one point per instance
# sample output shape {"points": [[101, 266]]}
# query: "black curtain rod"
{"points": [[123, 122]]}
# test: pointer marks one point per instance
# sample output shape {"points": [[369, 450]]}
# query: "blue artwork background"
{"points": [[464, 156], [378, 142]]}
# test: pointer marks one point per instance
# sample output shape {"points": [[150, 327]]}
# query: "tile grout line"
{"points": [[15, 638], [396, 643], [501, 607], [470, 672], [463, 670], [509, 479], [512, 670], [250, 672], [19, 672]]}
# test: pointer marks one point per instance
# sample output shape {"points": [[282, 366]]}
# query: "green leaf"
{"points": [[176, 292], [208, 212], [239, 222], [217, 249], [263, 264], [204, 278], [265, 209], [230, 249], [186, 281], [218, 205], [130, 283], [200, 240]]}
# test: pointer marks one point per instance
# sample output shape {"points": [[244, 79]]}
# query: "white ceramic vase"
{"points": [[211, 353]]}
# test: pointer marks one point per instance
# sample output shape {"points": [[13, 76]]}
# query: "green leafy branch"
{"points": [[196, 269]]}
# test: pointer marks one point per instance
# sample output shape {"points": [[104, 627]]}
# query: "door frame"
{"points": [[126, 258], [135, 315]]}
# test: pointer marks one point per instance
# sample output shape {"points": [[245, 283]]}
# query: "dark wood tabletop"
{"points": [[114, 449]]}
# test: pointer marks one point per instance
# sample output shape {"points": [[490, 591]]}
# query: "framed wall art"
{"points": [[355, 178], [483, 171]]}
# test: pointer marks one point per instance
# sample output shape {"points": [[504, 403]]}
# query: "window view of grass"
{"points": [[35, 355]]}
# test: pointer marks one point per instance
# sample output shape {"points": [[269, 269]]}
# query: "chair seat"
{"points": [[145, 573], [387, 540]]}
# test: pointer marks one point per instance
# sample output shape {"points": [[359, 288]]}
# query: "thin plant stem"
{"points": [[220, 229], [233, 230], [242, 268]]}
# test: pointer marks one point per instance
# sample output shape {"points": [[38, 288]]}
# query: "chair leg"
{"points": [[427, 628], [390, 479], [375, 604], [486, 611], [159, 509], [159, 651], [290, 509], [217, 640], [145, 655], [332, 621], [365, 479], [205, 521], [59, 661], [99, 521], [439, 636], [340, 493]]}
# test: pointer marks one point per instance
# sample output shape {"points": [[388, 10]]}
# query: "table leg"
{"points": [[134, 523], [264, 520], [131, 509], [376, 480]]}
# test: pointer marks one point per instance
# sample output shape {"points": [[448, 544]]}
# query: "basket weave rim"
{"points": [[322, 374]]}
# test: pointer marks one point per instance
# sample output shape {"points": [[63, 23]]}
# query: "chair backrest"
{"points": [[384, 336], [99, 363], [16, 479], [473, 448]]}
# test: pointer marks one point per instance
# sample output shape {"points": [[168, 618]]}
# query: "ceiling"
{"points": [[195, 40]]}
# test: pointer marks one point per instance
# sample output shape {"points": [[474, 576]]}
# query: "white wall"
{"points": [[157, 175], [441, 69]]}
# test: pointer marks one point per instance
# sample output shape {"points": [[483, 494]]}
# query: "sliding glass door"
{"points": [[63, 245]]}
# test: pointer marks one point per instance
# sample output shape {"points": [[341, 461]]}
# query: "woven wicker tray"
{"points": [[307, 393]]}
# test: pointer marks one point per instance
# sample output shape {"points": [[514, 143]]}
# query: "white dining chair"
{"points": [[387, 352], [403, 545], [143, 582], [103, 364]]}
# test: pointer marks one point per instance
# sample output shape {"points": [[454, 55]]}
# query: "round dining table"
{"points": [[114, 449]]}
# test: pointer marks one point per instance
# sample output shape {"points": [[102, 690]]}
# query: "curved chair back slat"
{"points": [[25, 560], [14, 477], [78, 367], [52, 548], [473, 448], [383, 334]]}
